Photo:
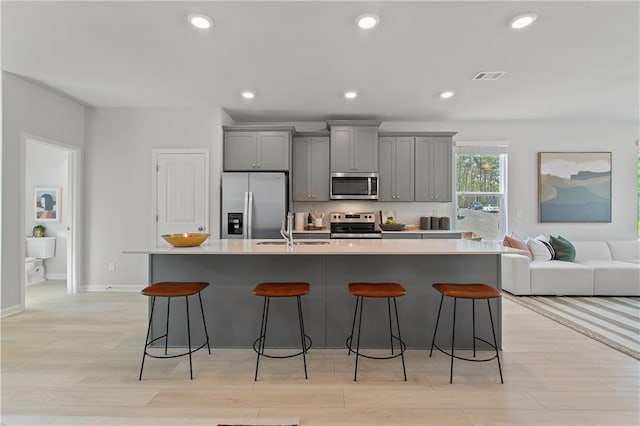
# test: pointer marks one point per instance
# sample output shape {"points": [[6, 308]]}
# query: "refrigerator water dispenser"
{"points": [[234, 223]]}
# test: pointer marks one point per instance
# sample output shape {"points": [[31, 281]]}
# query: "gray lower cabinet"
{"points": [[311, 168], [434, 168], [443, 236], [311, 236], [354, 148], [400, 236], [396, 174], [256, 150]]}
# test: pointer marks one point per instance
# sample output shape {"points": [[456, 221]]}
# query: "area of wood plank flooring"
{"points": [[74, 359]]}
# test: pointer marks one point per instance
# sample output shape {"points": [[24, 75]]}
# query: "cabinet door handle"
{"points": [[258, 165]]}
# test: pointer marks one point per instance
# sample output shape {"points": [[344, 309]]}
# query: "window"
{"points": [[481, 182]]}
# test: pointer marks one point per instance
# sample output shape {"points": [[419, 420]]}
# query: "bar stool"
{"points": [[473, 292], [281, 289], [169, 290], [376, 290]]}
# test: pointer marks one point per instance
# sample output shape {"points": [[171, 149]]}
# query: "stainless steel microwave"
{"points": [[354, 186]]}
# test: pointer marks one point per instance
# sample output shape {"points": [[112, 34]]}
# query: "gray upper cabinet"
{"points": [[311, 168], [434, 168], [396, 168], [354, 146], [259, 150]]}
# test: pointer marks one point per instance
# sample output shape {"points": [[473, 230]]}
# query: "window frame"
{"points": [[503, 176]]}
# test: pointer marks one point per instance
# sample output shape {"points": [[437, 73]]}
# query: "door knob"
{"points": [[200, 228]]}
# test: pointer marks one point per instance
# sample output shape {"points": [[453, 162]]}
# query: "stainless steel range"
{"points": [[354, 225]]}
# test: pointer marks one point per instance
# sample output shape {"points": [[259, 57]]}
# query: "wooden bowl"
{"points": [[186, 239], [395, 227]]}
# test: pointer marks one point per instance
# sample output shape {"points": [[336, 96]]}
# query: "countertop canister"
{"points": [[300, 221]]}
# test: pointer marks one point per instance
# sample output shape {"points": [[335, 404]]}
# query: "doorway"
{"points": [[55, 167]]}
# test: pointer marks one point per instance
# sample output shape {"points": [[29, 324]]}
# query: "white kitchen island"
{"points": [[234, 267]]}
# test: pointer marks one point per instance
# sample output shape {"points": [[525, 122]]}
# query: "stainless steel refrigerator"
{"points": [[253, 204]]}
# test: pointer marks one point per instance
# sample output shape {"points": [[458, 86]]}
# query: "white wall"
{"points": [[48, 166], [118, 185], [28, 109]]}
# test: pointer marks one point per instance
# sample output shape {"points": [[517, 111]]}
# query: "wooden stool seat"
{"points": [[467, 291], [284, 289], [174, 289], [383, 290], [168, 290]]}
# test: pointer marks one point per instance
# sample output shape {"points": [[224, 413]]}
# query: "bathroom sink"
{"points": [[297, 243]]}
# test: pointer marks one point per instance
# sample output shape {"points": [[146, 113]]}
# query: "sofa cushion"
{"points": [[614, 277], [561, 278], [517, 243], [591, 250], [565, 251], [629, 251], [539, 249]]}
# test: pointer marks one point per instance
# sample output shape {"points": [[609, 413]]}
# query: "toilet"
{"points": [[38, 249]]}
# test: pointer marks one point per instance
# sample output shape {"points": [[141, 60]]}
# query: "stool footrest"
{"points": [[308, 344], [403, 348], [470, 359], [174, 355]]}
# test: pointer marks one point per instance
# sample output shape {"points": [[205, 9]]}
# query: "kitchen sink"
{"points": [[297, 243]]}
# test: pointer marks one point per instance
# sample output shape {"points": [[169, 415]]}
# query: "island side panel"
{"points": [[233, 312], [419, 308]]}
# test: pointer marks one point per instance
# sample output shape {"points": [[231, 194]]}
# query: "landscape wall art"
{"points": [[574, 186]]}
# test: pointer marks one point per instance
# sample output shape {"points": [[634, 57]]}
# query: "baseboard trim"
{"points": [[56, 276], [11, 310], [109, 288]]}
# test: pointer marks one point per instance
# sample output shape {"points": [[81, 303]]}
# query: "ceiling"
{"points": [[578, 61]]}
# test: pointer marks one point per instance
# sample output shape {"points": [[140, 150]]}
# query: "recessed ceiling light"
{"points": [[350, 94], [367, 21], [200, 21], [522, 21], [248, 95], [447, 94]]}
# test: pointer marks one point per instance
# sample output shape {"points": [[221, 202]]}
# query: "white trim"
{"points": [[481, 147], [74, 247], [56, 276], [12, 310]]}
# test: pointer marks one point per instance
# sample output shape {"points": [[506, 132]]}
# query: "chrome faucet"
{"points": [[287, 233]]}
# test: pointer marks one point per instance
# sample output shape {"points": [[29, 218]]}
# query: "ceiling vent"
{"points": [[488, 75]]}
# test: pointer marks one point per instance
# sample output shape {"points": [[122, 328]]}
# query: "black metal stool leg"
{"points": [[204, 323], [186, 301], [353, 326], [473, 321], [433, 341], [495, 341], [146, 340], [355, 373], [261, 336], [390, 329], [453, 339], [404, 371], [166, 337], [302, 338]]}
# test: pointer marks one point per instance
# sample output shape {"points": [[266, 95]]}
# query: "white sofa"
{"points": [[601, 268]]}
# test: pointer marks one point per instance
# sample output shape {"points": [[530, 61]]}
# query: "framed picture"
{"points": [[46, 204], [574, 186]]}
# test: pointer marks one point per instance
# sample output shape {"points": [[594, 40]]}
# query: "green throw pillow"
{"points": [[564, 249]]}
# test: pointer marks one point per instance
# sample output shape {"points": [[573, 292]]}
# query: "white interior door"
{"points": [[181, 192]]}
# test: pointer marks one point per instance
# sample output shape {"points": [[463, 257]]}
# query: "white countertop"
{"points": [[337, 247]]}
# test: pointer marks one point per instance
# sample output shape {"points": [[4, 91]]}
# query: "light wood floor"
{"points": [[74, 359]]}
